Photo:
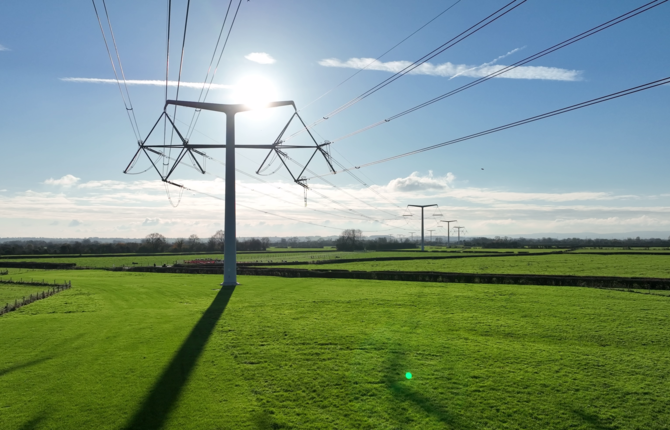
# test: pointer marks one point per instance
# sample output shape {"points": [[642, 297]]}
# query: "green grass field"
{"points": [[137, 350], [11, 292], [275, 256], [160, 259], [560, 264]]}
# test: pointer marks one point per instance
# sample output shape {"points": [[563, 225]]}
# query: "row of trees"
{"points": [[152, 243], [353, 240]]}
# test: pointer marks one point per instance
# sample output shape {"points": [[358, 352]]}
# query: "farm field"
{"points": [[11, 292], [655, 266], [139, 350], [160, 259], [612, 250]]}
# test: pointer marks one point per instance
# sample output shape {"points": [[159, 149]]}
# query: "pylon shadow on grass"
{"points": [[403, 393], [32, 423], [166, 391], [24, 365]]}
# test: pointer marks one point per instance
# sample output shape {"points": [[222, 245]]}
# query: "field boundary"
{"points": [[149, 254], [26, 300], [36, 265], [365, 260], [609, 282]]}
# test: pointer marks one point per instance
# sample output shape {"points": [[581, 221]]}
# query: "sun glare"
{"points": [[254, 91]]}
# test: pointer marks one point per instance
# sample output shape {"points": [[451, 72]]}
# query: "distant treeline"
{"points": [[349, 240], [548, 242], [353, 240], [153, 243]]}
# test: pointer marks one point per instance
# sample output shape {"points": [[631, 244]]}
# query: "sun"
{"points": [[254, 91]]}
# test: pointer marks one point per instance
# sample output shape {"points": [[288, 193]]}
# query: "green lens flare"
{"points": [[408, 375]]}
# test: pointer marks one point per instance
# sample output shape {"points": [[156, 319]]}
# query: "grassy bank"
{"points": [[135, 350], [657, 266]]}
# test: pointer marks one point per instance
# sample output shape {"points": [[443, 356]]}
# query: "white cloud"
{"points": [[490, 63], [260, 58], [2, 191], [65, 181], [415, 182], [450, 70], [151, 221], [128, 209], [4, 48], [158, 83], [444, 187]]}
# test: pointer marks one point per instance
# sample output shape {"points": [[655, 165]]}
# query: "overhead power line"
{"points": [[346, 210], [262, 211], [382, 55], [130, 111], [202, 97], [181, 64], [312, 190], [556, 47], [566, 109], [435, 52]]}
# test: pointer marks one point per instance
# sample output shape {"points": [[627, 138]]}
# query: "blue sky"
{"points": [[66, 139]]}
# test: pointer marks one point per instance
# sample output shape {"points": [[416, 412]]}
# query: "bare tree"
{"points": [[193, 242], [266, 242], [155, 242], [348, 239], [218, 239], [179, 244]]}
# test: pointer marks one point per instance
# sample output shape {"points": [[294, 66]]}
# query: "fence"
{"points": [[36, 265], [26, 300], [33, 282], [610, 282]]}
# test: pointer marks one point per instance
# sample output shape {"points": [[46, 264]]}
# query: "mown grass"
{"points": [[160, 259], [275, 256], [137, 350], [11, 292], [636, 250], [655, 266]]}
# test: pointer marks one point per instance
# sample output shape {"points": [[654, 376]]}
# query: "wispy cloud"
{"points": [[134, 208], [260, 58], [450, 70], [157, 83], [65, 181], [151, 221], [490, 63], [444, 187], [4, 48]]}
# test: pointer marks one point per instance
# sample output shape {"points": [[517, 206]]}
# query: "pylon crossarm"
{"points": [[326, 155], [307, 163], [278, 141], [181, 155], [258, 171], [174, 127], [137, 153], [281, 158], [163, 178], [142, 146], [202, 170]]}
